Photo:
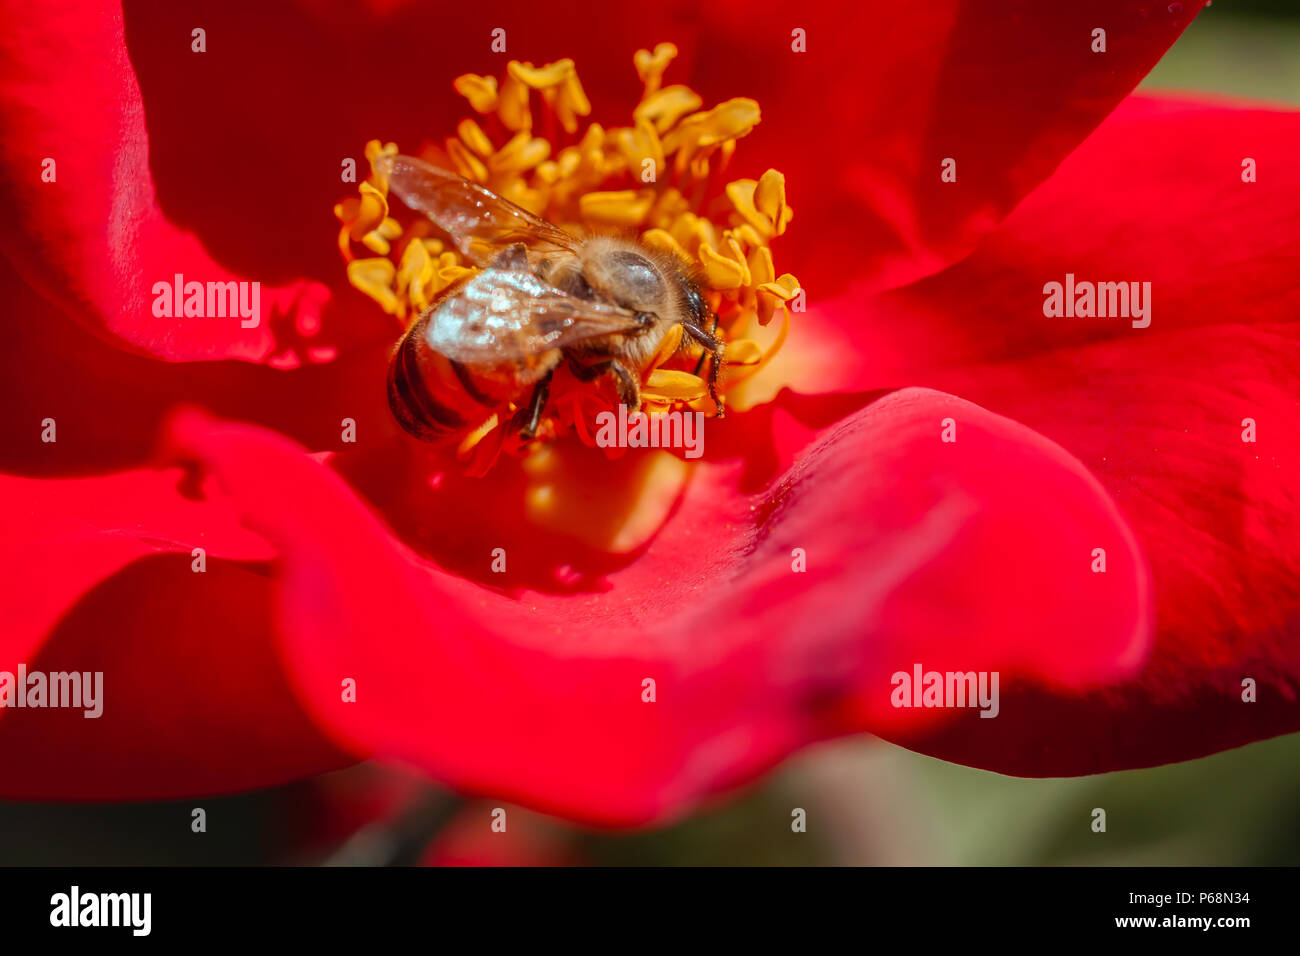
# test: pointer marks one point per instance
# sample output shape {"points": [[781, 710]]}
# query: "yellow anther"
{"points": [[774, 293], [514, 110], [521, 154], [665, 107], [725, 152], [519, 193], [572, 102], [450, 274], [541, 78], [750, 236], [416, 278], [481, 91], [669, 385], [639, 145], [477, 435], [732, 248], [760, 265], [729, 120], [651, 66], [568, 162], [548, 173], [784, 288], [368, 214], [472, 135], [669, 344], [593, 141], [743, 352], [722, 271], [699, 165], [467, 164], [374, 150], [691, 231], [375, 277], [663, 240], [380, 238], [670, 205], [769, 198], [741, 194], [623, 208]]}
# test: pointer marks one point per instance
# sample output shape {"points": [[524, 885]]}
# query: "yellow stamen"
{"points": [[572, 102], [472, 135], [658, 239], [753, 368], [769, 197], [665, 107], [743, 352], [521, 154], [651, 66], [672, 341], [626, 207], [668, 386], [375, 278], [467, 164], [481, 91], [722, 271], [514, 110]]}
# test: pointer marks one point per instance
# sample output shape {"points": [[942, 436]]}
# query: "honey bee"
{"points": [[601, 304]]}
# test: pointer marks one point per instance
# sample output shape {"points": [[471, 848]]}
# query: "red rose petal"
{"points": [[963, 553], [241, 145], [95, 239], [99, 576], [1156, 413], [863, 122]]}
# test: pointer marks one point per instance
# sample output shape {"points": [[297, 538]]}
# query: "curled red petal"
{"points": [[891, 96], [948, 553], [176, 162], [1159, 414], [100, 576], [86, 227]]}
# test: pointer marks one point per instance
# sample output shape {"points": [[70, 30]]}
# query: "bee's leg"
{"points": [[713, 332], [541, 391], [714, 347], [629, 390]]}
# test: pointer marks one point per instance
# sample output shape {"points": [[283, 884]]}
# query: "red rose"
{"points": [[327, 562]]}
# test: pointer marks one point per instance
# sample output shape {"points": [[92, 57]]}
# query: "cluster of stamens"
{"points": [[661, 178]]}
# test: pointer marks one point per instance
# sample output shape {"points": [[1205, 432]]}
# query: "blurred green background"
{"points": [[867, 802], [1250, 48]]}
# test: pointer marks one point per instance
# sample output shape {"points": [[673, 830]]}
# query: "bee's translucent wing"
{"points": [[505, 314], [478, 220]]}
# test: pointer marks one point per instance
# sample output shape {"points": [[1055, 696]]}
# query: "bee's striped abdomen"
{"points": [[433, 397]]}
